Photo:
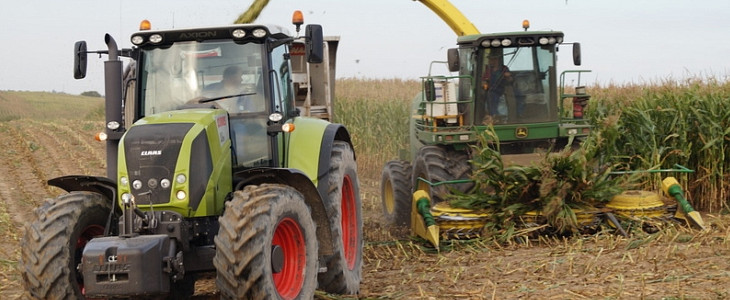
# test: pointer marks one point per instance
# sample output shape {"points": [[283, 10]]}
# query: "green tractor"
{"points": [[506, 81], [210, 169]]}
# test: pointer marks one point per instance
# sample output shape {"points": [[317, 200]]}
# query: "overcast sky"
{"points": [[623, 41]]}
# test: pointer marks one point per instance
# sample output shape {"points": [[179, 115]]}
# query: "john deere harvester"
{"points": [[505, 81], [503, 89], [210, 168]]}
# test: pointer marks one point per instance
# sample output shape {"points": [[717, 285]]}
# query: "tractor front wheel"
{"points": [[395, 192], [54, 241], [266, 246]]}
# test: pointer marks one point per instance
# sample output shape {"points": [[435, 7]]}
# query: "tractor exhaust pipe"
{"points": [[113, 104]]}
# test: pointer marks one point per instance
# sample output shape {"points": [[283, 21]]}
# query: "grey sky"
{"points": [[622, 40]]}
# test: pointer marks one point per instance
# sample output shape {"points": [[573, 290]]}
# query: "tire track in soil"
{"points": [[14, 203], [66, 149]]}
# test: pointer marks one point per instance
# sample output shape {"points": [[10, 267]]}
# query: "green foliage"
{"points": [[565, 180], [657, 127], [91, 94]]}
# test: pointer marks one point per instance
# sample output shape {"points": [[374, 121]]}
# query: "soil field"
{"points": [[674, 263]]}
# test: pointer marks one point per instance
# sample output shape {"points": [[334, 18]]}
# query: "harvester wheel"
{"points": [[437, 164], [395, 192], [344, 268], [54, 240], [266, 246]]}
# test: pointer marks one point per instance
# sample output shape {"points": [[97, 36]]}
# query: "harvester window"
{"points": [[523, 86]]}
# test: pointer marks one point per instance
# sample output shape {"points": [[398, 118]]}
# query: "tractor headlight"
{"points": [[180, 195], [127, 198], [239, 33], [276, 117], [259, 32], [155, 38], [165, 183], [137, 184], [180, 178], [572, 131], [124, 181], [496, 43], [113, 125], [506, 42], [543, 41], [137, 40]]}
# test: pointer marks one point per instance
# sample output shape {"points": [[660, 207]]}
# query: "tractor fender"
{"points": [[332, 133], [96, 184], [299, 181]]}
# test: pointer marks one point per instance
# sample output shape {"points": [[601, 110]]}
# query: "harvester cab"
{"points": [[211, 167], [506, 80]]}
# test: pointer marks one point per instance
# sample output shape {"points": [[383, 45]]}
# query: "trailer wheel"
{"points": [[395, 192], [437, 164], [266, 245], [344, 268], [52, 244]]}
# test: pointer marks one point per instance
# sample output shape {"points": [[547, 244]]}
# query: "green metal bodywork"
{"points": [[304, 144], [219, 183], [301, 146]]}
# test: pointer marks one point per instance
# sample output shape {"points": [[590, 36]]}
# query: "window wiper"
{"points": [[224, 97]]}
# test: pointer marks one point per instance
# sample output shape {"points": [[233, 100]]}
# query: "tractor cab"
{"points": [[242, 69]]}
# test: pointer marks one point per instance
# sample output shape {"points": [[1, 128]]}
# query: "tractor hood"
{"points": [[176, 160]]}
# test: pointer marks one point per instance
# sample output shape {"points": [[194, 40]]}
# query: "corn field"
{"points": [[640, 127]]}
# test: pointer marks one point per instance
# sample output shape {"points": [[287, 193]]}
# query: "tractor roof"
{"points": [[238, 32]]}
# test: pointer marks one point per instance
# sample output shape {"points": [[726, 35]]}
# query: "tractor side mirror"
{"points": [[576, 54], [80, 59], [453, 59], [314, 44], [429, 90]]}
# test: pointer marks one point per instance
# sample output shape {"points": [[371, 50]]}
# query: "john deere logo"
{"points": [[521, 132]]}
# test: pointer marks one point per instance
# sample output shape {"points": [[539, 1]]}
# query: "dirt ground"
{"points": [[675, 263]]}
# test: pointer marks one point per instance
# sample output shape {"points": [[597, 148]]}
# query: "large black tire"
{"points": [[266, 247], [54, 240], [344, 268], [395, 192], [437, 164]]}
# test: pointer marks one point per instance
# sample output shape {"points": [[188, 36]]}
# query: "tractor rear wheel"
{"points": [[53, 242], [395, 192], [344, 268], [266, 245], [437, 164]]}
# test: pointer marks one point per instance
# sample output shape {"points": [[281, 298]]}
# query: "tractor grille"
{"points": [[151, 153]]}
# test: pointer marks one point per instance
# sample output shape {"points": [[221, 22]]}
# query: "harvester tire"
{"points": [[395, 192], [344, 268], [437, 164], [266, 247], [54, 240]]}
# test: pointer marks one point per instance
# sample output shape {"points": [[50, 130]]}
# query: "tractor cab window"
{"points": [[219, 74], [229, 74], [515, 85]]}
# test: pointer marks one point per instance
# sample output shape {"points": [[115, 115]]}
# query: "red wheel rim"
{"points": [[86, 235], [288, 235], [349, 223]]}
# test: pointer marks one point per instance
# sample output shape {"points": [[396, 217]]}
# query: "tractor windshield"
{"points": [[220, 72], [515, 85]]}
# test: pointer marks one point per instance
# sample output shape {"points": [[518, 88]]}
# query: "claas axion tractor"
{"points": [[210, 169]]}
